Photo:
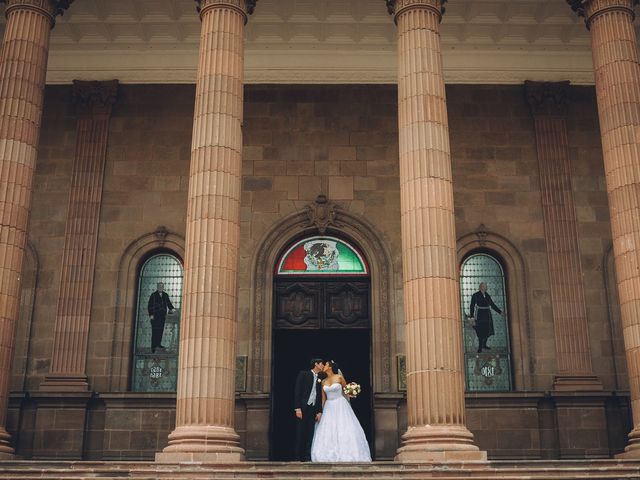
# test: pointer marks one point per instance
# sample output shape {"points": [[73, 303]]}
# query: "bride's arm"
{"points": [[324, 397], [343, 382]]}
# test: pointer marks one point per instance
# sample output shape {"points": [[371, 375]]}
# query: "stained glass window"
{"points": [[322, 256], [487, 354], [155, 358]]}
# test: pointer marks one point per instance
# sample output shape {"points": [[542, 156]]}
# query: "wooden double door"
{"points": [[326, 318]]}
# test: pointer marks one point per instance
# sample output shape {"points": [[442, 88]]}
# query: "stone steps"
{"points": [[509, 470]]}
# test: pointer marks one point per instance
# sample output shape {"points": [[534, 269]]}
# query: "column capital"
{"points": [[94, 97], [589, 9], [397, 7], [245, 6], [49, 8], [549, 99]]}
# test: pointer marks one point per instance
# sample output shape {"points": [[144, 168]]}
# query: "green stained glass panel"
{"points": [[321, 256]]}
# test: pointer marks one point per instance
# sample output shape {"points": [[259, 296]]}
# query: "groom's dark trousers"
{"points": [[305, 426]]}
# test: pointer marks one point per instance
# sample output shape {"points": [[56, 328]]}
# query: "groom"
{"points": [[308, 407]]}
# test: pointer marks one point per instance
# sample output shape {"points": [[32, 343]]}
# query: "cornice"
{"points": [[308, 66], [548, 99]]}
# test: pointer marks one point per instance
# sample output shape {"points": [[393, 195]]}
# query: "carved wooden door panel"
{"points": [[298, 305], [346, 305], [322, 304]]}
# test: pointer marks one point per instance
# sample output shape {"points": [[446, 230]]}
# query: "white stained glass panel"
{"points": [[489, 370], [157, 371]]}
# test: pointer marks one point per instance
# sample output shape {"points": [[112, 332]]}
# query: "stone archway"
{"points": [[124, 312], [516, 283], [326, 218]]}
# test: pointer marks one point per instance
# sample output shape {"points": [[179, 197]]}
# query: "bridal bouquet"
{"points": [[352, 389]]}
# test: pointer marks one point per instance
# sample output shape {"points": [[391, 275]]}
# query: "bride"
{"points": [[339, 436]]}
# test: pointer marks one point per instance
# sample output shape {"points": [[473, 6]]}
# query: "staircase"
{"points": [[516, 470]]}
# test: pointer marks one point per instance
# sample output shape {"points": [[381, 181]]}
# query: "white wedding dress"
{"points": [[339, 436]]}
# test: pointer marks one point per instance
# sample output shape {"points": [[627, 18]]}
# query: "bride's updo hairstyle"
{"points": [[335, 368]]}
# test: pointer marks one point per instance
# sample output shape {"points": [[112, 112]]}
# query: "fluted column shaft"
{"points": [[548, 103], [617, 74], [71, 330], [435, 383], [206, 385], [23, 67]]}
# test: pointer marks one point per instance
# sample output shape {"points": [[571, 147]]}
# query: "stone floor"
{"points": [[516, 470]]}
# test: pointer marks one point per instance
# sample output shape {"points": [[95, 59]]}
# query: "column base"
{"points": [[200, 443], [6, 450], [577, 383], [632, 450], [439, 444], [56, 382]]}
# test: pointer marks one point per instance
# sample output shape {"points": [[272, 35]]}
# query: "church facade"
{"points": [[175, 251]]}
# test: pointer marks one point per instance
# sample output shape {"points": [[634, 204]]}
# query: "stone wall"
{"points": [[301, 141]]}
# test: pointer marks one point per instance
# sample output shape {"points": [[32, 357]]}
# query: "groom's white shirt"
{"points": [[312, 394]]}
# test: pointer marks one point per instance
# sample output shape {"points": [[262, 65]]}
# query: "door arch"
{"points": [[354, 229], [321, 309]]}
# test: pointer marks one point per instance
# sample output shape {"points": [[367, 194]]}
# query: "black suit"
{"points": [[481, 305], [305, 425], [158, 304]]}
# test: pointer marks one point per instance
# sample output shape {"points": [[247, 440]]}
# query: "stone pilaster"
{"points": [[206, 393], [617, 73], [23, 67], [71, 330], [548, 103], [435, 383]]}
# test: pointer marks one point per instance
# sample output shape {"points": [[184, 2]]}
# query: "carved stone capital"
{"points": [[547, 98], [322, 214], [49, 8], [398, 7], [590, 9], [245, 7], [93, 97]]}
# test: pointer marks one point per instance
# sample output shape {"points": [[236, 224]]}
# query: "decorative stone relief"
{"points": [[322, 214]]}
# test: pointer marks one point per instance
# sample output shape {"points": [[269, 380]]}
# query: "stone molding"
{"points": [[590, 9], [355, 229], [124, 314], [547, 98], [49, 8], [94, 97], [518, 297]]}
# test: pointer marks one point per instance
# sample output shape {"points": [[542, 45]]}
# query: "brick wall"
{"points": [[301, 141]]}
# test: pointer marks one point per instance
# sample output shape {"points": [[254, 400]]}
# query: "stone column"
{"points": [[548, 103], [617, 73], [206, 384], [23, 67], [435, 383], [71, 330]]}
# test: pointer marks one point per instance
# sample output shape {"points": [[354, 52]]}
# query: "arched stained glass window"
{"points": [[155, 356], [487, 353], [322, 255]]}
